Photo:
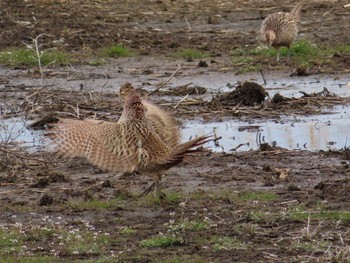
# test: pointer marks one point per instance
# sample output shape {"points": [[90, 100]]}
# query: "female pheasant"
{"points": [[281, 29], [131, 144]]}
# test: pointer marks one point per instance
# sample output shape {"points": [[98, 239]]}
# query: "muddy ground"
{"points": [[269, 205]]}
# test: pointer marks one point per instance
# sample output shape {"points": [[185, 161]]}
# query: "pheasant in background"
{"points": [[281, 29], [131, 144]]}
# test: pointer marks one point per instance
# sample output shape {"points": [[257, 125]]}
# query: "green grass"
{"points": [[227, 243], [97, 62], [11, 241], [343, 216], [191, 53], [29, 259], [127, 230], [161, 241], [151, 200], [261, 196], [193, 225], [28, 57], [117, 51], [303, 54], [94, 204], [84, 241], [310, 246], [184, 258]]}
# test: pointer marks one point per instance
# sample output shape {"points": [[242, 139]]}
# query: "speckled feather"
{"points": [[281, 29], [128, 145], [163, 122]]}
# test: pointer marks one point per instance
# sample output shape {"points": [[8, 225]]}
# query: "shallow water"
{"points": [[14, 130], [321, 132]]}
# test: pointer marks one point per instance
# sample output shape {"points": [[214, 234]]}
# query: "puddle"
{"points": [[321, 132], [14, 131]]}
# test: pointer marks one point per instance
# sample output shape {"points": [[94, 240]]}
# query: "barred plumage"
{"points": [[163, 122], [134, 143], [281, 29]]}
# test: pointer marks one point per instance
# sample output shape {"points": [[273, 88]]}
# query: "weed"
{"points": [[150, 199], [118, 51], [127, 230], [194, 225], [94, 204], [97, 62], [161, 241], [343, 216], [185, 258], [310, 245], [27, 259], [227, 243], [27, 57], [191, 54], [11, 241], [261, 196], [83, 241]]}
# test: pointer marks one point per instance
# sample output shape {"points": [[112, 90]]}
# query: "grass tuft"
{"points": [[161, 241], [194, 225], [191, 54], [227, 243], [118, 51], [28, 57], [184, 258], [261, 196]]}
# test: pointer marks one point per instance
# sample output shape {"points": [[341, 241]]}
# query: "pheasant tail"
{"points": [[296, 11], [181, 152]]}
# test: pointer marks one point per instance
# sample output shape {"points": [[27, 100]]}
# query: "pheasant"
{"points": [[163, 123], [131, 144], [281, 29]]}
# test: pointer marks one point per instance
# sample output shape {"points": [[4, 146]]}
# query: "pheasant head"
{"points": [[125, 89], [270, 36], [133, 107]]}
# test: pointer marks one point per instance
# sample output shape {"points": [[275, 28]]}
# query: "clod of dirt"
{"points": [[184, 90], [58, 178], [278, 98], [123, 194], [265, 147], [202, 64], [293, 187], [213, 20], [248, 94], [40, 124], [300, 72], [46, 200], [107, 184], [8, 179], [42, 183]]}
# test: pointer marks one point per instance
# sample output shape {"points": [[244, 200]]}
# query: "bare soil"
{"points": [[40, 189]]}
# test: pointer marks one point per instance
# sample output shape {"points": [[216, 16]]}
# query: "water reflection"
{"points": [[307, 133]]}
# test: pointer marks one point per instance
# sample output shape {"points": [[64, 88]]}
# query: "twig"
{"points": [[162, 84], [262, 75], [25, 157], [188, 24], [180, 101]]}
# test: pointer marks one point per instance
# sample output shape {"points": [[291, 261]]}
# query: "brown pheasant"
{"points": [[163, 122], [131, 144], [281, 29]]}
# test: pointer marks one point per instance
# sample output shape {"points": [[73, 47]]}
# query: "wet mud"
{"points": [[273, 187]]}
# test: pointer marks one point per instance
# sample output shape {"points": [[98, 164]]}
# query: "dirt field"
{"points": [[268, 205]]}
